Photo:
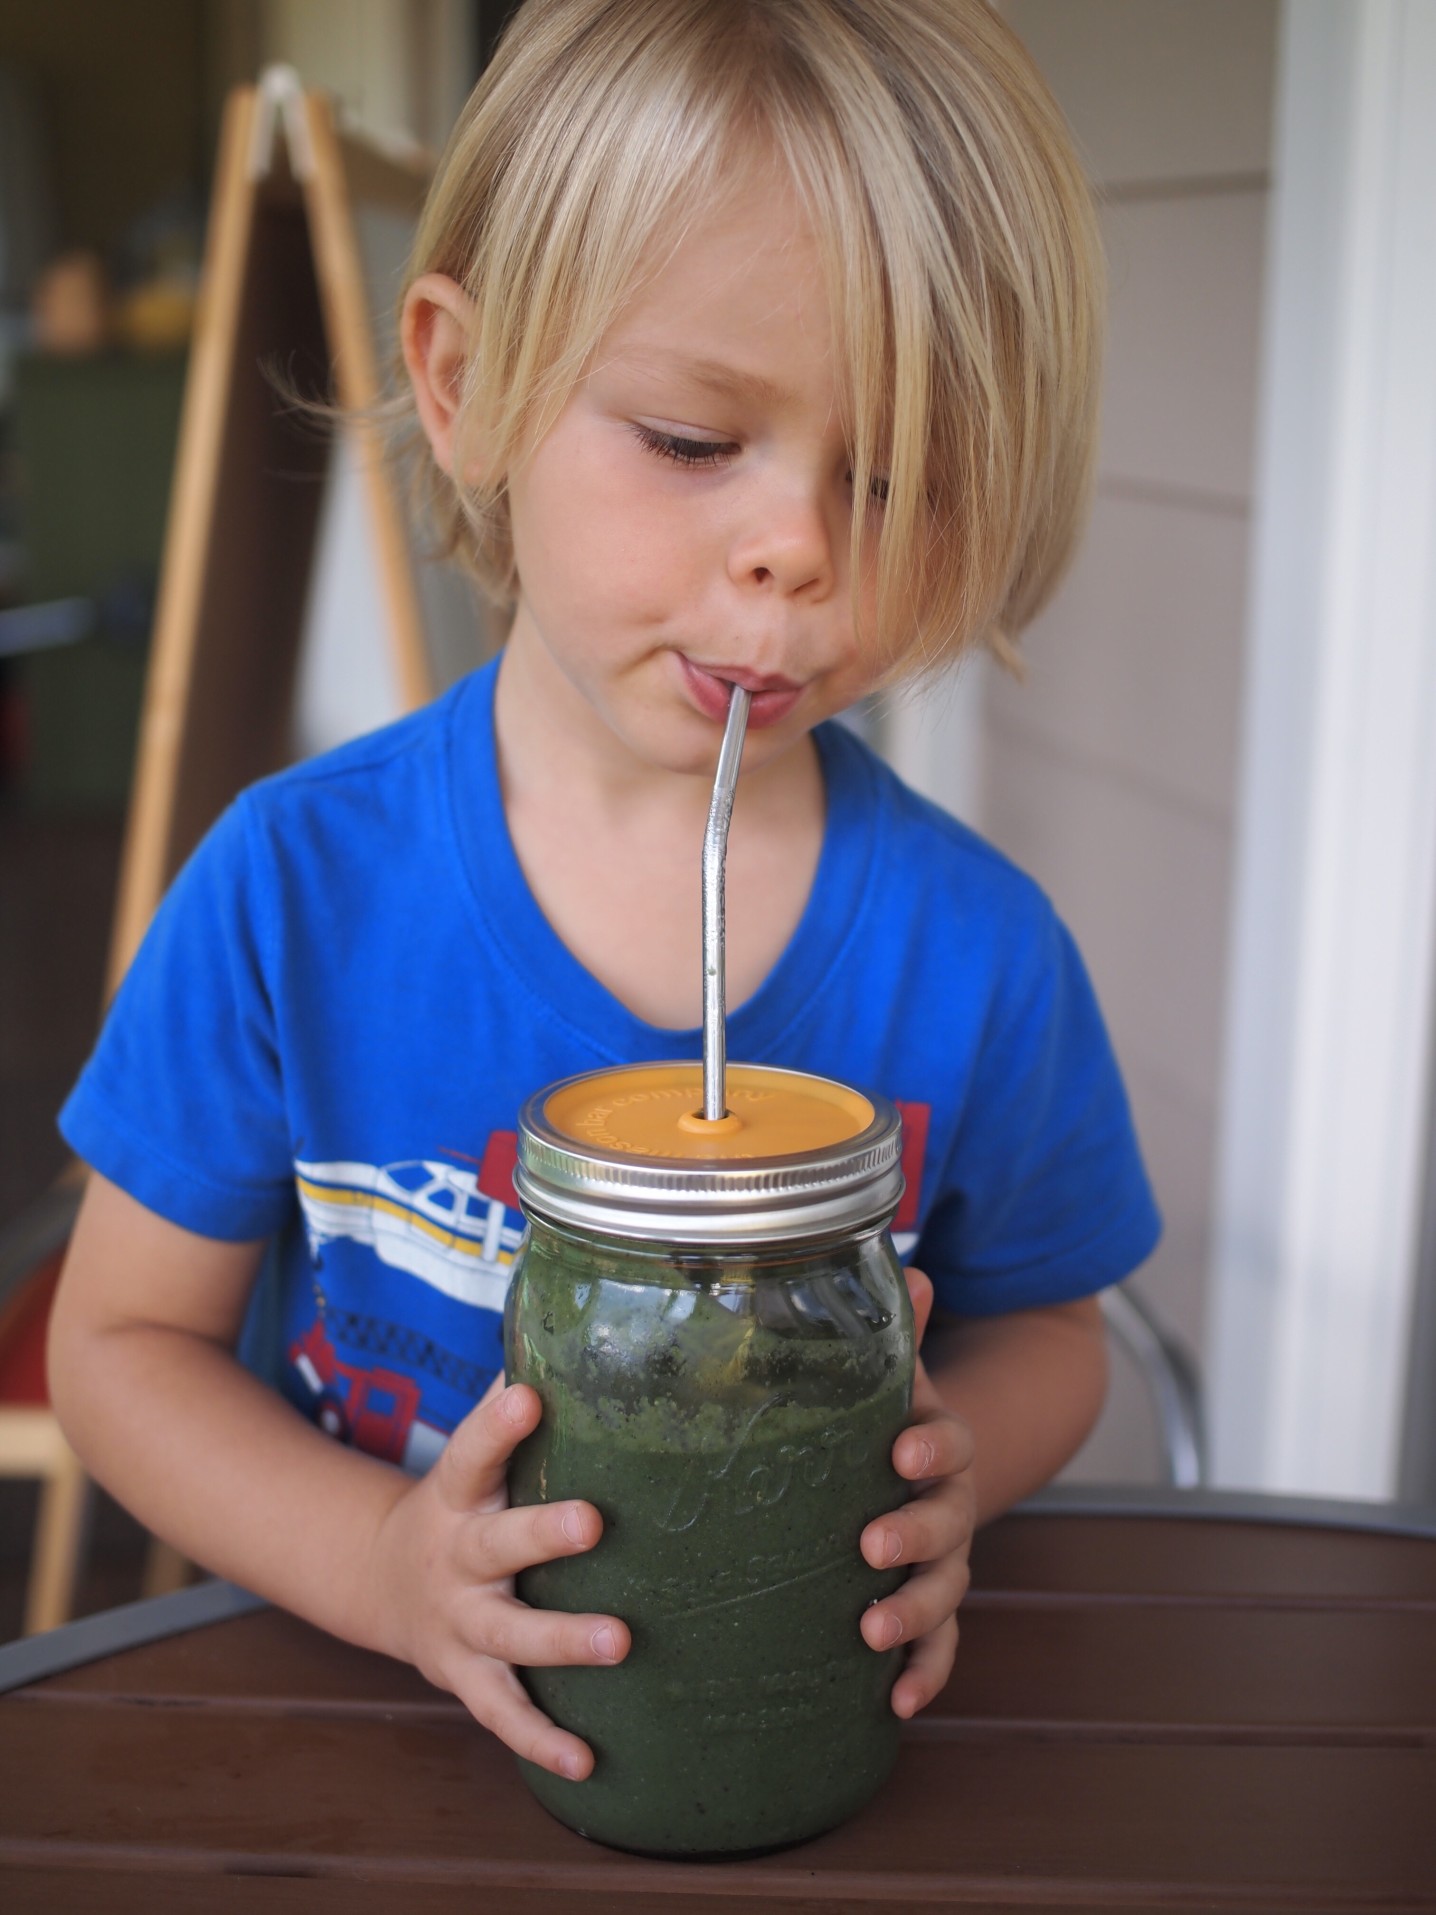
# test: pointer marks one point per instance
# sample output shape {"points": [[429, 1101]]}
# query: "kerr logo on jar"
{"points": [[762, 1466]]}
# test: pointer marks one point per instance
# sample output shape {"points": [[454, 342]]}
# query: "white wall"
{"points": [[1324, 1163], [401, 68], [1111, 775]]}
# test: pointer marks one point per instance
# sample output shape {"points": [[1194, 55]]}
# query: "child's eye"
{"points": [[877, 488], [672, 445]]}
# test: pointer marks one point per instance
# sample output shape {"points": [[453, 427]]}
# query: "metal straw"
{"points": [[715, 852]]}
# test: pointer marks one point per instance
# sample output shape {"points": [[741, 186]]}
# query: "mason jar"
{"points": [[719, 1328]]}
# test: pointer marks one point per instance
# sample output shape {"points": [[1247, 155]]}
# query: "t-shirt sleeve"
{"points": [[1044, 1196], [182, 1101]]}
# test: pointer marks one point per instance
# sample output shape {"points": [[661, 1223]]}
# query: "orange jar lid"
{"points": [[629, 1153], [656, 1110]]}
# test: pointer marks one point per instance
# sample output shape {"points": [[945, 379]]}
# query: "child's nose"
{"points": [[787, 545]]}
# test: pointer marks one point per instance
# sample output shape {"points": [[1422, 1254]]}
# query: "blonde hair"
{"points": [[958, 233]]}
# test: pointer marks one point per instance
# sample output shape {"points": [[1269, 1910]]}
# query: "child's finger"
{"points": [[471, 1469], [495, 1697], [509, 1630], [924, 1603], [919, 1289], [935, 1446], [928, 1668], [500, 1544], [929, 1527]]}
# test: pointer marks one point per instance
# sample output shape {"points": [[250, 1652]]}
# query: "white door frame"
{"points": [[1333, 962]]}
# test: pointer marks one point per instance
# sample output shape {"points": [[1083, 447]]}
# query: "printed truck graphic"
{"points": [[375, 1410], [437, 1221]]}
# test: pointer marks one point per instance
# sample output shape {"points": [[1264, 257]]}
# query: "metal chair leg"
{"points": [[1172, 1379]]}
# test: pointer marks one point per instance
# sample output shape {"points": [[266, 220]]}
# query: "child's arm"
{"points": [[1000, 1404], [144, 1380], [1029, 1385]]}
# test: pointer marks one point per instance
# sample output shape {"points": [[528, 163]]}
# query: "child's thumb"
{"points": [[471, 1468]]}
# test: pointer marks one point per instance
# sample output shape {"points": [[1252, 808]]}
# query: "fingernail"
{"points": [[513, 1406], [887, 1632], [572, 1525], [924, 1459], [891, 1549], [605, 1644], [572, 1766]]}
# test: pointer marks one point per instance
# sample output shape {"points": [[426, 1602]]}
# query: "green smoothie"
{"points": [[734, 1425]]}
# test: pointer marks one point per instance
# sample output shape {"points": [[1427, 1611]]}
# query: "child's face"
{"points": [[685, 525]]}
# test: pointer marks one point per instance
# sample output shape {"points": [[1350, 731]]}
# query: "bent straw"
{"points": [[715, 853]]}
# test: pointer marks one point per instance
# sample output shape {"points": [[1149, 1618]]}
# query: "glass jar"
{"points": [[723, 1343]]}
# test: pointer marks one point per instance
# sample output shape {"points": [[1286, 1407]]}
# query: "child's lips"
{"points": [[711, 689]]}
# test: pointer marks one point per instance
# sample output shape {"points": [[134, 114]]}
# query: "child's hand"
{"points": [[934, 1530], [446, 1557]]}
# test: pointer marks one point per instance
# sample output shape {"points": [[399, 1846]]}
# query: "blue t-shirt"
{"points": [[350, 990]]}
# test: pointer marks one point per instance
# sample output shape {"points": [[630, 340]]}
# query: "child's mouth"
{"points": [[711, 687]]}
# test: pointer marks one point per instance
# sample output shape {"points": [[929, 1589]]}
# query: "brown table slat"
{"points": [[265, 1657], [1204, 1671], [203, 1791], [441, 1802], [1184, 1673], [1126, 1558]]}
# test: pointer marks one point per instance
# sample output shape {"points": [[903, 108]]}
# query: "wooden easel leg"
{"points": [[165, 1569], [59, 1539]]}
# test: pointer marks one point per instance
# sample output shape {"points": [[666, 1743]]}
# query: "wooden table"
{"points": [[1149, 1711]]}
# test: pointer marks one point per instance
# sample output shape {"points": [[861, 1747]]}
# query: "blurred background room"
{"points": [[1219, 765]]}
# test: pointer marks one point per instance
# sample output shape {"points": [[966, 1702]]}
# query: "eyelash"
{"points": [[711, 452], [690, 452]]}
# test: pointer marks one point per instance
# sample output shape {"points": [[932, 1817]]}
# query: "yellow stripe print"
{"points": [[369, 1200]]}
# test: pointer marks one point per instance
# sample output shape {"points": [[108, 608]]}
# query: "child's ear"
{"points": [[436, 334]]}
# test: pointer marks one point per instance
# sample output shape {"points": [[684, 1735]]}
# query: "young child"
{"points": [[755, 343]]}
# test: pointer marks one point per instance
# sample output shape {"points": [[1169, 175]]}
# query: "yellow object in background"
{"points": [[156, 317]]}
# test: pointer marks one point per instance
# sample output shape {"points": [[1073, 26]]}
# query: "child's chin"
{"points": [[690, 749]]}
